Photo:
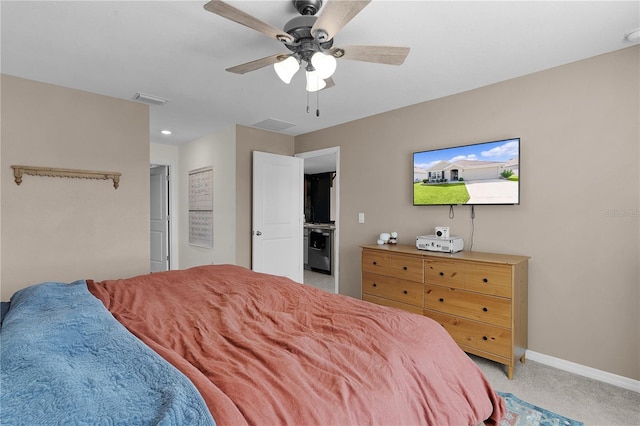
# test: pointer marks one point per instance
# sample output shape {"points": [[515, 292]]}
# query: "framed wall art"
{"points": [[201, 207]]}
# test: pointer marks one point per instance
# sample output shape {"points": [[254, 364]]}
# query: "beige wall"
{"points": [[217, 150], [59, 229], [578, 218], [249, 139]]}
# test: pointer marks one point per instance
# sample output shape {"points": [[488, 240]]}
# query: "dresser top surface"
{"points": [[509, 259]]}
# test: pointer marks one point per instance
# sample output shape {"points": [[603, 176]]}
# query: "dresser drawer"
{"points": [[475, 335], [374, 261], [488, 279], [391, 303], [445, 273], [392, 265], [489, 309], [409, 292]]}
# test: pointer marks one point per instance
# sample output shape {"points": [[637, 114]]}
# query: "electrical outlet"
{"points": [[360, 217]]}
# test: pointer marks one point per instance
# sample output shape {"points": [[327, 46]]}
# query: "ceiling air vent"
{"points": [[273, 125], [149, 99]]}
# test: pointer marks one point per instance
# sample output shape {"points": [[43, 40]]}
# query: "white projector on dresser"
{"points": [[435, 243]]}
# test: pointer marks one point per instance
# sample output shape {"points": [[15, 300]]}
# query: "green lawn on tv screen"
{"points": [[442, 193]]}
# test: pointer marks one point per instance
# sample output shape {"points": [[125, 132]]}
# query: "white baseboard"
{"points": [[582, 370]]}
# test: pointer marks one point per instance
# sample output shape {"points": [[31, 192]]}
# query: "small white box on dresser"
{"points": [[435, 243]]}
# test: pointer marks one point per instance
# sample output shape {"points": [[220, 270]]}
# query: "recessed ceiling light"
{"points": [[633, 35], [165, 132]]}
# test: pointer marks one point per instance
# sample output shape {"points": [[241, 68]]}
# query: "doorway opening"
{"points": [[160, 219], [322, 260]]}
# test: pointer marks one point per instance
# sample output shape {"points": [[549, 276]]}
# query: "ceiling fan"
{"points": [[310, 38]]}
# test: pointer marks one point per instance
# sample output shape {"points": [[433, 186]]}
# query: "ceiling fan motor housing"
{"points": [[304, 45]]}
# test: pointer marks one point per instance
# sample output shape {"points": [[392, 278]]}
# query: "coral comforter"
{"points": [[264, 350]]}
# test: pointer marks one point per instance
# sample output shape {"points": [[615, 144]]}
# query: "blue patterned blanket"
{"points": [[66, 360]]}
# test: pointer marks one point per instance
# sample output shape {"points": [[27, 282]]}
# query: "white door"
{"points": [[159, 218], [278, 215]]}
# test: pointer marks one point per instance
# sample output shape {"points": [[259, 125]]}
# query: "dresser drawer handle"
{"points": [[442, 274], [405, 268], [485, 338], [405, 292], [485, 310], [375, 285], [485, 280], [441, 299], [375, 263]]}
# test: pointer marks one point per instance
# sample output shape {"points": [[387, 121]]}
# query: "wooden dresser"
{"points": [[479, 298]]}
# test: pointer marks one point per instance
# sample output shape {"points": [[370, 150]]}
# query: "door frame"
{"points": [[336, 234]]}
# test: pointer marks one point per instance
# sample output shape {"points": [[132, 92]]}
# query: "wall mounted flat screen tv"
{"points": [[485, 173]]}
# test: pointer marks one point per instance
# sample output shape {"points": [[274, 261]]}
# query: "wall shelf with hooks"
{"points": [[18, 171]]}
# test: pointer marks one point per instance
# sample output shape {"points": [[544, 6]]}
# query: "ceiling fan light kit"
{"points": [[321, 65], [310, 39]]}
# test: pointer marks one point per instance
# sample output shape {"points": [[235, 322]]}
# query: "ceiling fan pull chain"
{"points": [[318, 103], [307, 102]]}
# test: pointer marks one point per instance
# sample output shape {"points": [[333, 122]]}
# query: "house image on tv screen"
{"points": [[461, 170]]}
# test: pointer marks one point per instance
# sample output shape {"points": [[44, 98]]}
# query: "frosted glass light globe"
{"points": [[314, 82], [325, 65], [287, 69]]}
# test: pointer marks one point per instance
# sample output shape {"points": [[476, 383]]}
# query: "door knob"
{"points": [[258, 233]]}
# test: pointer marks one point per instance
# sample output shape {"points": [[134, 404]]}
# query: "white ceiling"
{"points": [[179, 51]]}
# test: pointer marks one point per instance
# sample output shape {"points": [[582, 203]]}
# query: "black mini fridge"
{"points": [[320, 250]]}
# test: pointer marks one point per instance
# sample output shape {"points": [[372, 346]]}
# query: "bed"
{"points": [[224, 345]]}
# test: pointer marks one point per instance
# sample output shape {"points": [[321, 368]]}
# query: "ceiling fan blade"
{"points": [[258, 63], [227, 11], [329, 83], [334, 16], [390, 55]]}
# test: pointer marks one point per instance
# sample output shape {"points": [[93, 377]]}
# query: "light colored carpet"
{"points": [[589, 401]]}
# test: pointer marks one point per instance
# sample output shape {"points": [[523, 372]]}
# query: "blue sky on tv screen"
{"points": [[490, 151]]}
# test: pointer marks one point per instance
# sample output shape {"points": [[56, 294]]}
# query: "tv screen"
{"points": [[484, 173]]}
